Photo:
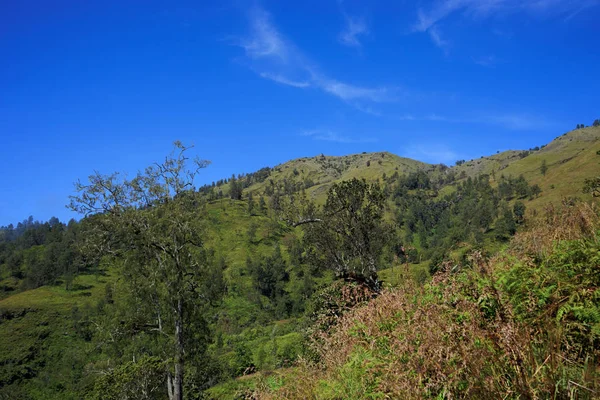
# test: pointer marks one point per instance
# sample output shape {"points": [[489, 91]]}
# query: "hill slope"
{"points": [[570, 159], [318, 173], [41, 323]]}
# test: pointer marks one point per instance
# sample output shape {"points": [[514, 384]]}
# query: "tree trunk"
{"points": [[178, 381], [170, 386]]}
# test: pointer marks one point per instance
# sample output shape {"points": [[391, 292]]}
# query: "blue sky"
{"points": [[108, 86]]}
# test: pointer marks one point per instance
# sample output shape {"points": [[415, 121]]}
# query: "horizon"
{"points": [[109, 87]]}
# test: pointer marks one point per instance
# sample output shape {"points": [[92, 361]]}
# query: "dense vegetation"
{"points": [[36, 254], [167, 291], [522, 324]]}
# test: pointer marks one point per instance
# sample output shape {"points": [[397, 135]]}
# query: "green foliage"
{"points": [[270, 277], [561, 287], [544, 167], [519, 212], [140, 379], [235, 188], [435, 226], [351, 235], [505, 225], [152, 223], [42, 253], [592, 185], [354, 380]]}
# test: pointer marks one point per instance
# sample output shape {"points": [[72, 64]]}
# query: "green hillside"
{"points": [[322, 171], [59, 339], [570, 159]]}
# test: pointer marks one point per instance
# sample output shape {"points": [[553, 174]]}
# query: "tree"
{"points": [[348, 233], [152, 223], [235, 188], [592, 185], [251, 204], [544, 167], [596, 123], [519, 212], [521, 187], [535, 191], [505, 225], [262, 204], [251, 233], [505, 189]]}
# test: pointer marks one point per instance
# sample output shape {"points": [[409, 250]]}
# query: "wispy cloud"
{"points": [[330, 136], [512, 121], [350, 92], [432, 153], [274, 57], [354, 28], [283, 80], [519, 122], [436, 38], [488, 61], [265, 40], [429, 18]]}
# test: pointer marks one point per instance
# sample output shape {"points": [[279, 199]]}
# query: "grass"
{"points": [[56, 298], [571, 159], [40, 343], [397, 274]]}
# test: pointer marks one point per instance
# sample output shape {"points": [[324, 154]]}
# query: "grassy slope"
{"points": [[326, 170], [37, 331], [487, 165], [570, 158]]}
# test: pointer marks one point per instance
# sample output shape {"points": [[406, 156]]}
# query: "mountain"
{"points": [[53, 347]]}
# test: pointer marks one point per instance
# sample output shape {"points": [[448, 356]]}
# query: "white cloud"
{"points": [[512, 121], [350, 92], [283, 80], [265, 40], [486, 61], [274, 57], [355, 27], [432, 153], [436, 38], [428, 19], [329, 136], [519, 122]]}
